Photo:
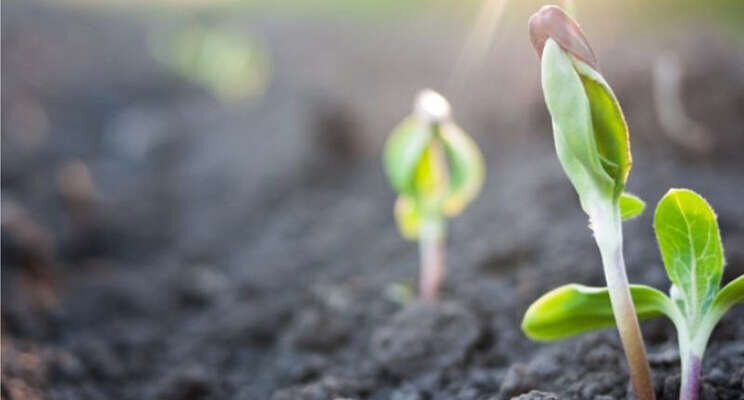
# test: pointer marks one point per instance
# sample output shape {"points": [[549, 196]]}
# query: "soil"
{"points": [[159, 244]]}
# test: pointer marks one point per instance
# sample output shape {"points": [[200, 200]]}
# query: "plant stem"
{"points": [[690, 387], [433, 262], [608, 233]]}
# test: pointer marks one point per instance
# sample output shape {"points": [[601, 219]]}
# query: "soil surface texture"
{"points": [[160, 244]]}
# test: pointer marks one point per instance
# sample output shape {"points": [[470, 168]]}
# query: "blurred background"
{"points": [[181, 179]]}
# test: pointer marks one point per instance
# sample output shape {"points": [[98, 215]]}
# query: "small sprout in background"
{"points": [[232, 66], [399, 293], [591, 139], [668, 81], [690, 245], [437, 169]]}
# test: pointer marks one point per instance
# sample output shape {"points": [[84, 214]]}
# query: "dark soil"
{"points": [[158, 244]]}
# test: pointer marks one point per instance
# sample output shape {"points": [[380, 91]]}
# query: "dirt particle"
{"points": [[101, 360], [320, 329], [518, 380], [199, 285], [536, 395], [190, 383], [327, 388], [425, 337], [671, 387], [406, 393]]}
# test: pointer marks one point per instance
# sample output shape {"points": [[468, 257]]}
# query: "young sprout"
{"points": [[591, 139], [690, 245], [437, 169]]}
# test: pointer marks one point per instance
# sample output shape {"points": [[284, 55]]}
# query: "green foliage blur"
{"points": [[231, 65]]}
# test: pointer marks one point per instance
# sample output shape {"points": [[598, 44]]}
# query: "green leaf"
{"points": [[574, 309], [403, 151], [690, 245], [731, 295], [573, 132], [466, 168], [407, 217], [431, 178], [232, 65], [631, 206], [435, 167], [608, 121]]}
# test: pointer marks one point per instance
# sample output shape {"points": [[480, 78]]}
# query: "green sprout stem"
{"points": [[432, 246], [607, 225], [591, 138], [433, 257], [692, 347]]}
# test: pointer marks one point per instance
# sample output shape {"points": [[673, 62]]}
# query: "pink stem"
{"points": [[690, 387], [432, 268]]}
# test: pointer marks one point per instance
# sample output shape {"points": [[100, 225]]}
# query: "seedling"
{"points": [[591, 139], [690, 245], [437, 169]]}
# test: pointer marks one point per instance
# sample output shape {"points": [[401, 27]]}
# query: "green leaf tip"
{"points": [[731, 295], [631, 206], [407, 217], [690, 243], [574, 309], [435, 167]]}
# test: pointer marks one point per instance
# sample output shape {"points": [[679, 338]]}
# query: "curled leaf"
{"points": [[573, 131], [590, 132], [403, 151], [466, 169], [610, 129]]}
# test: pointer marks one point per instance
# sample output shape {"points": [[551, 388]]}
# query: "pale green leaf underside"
{"points": [[574, 309], [631, 206], [690, 245]]}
